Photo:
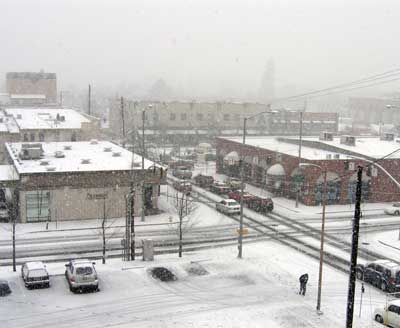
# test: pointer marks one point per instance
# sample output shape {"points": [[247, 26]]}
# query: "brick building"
{"points": [[272, 163], [31, 88], [72, 180]]}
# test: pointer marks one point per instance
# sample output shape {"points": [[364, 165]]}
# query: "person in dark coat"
{"points": [[303, 283]]}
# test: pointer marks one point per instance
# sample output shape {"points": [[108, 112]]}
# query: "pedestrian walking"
{"points": [[303, 283]]}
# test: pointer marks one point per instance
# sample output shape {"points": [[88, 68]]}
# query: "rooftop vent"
{"points": [[107, 149], [31, 151], [67, 147], [19, 116], [44, 162], [326, 136], [94, 142], [387, 136], [348, 140], [85, 161], [116, 154], [50, 168], [59, 154]]}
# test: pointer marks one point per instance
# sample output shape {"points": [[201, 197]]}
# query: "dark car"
{"points": [[383, 274], [220, 188], [262, 205], [204, 181], [4, 288]]}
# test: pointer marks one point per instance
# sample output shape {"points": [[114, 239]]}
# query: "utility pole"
{"points": [[89, 99], [132, 218], [143, 173], [123, 121], [354, 251], [240, 240], [300, 144]]}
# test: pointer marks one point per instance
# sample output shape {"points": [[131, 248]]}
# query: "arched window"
{"points": [[26, 137]]}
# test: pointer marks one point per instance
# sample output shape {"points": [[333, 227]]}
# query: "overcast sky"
{"points": [[201, 45]]}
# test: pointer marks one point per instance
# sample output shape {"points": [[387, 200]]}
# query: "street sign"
{"points": [[244, 231]]}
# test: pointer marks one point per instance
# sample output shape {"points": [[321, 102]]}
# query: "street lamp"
{"points": [[240, 239], [321, 250], [142, 216]]}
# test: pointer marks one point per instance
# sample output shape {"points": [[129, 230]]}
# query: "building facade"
{"points": [[31, 87], [78, 180], [273, 163], [193, 122]]}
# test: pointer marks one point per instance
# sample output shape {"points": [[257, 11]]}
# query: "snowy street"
{"points": [[259, 291]]}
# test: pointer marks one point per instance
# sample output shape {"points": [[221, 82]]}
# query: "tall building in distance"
{"points": [[31, 88], [267, 87]]}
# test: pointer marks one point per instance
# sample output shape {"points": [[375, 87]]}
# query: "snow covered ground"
{"points": [[260, 290]]}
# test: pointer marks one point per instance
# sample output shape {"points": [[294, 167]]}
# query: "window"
{"points": [[37, 206], [155, 117], [73, 136], [393, 308], [227, 117], [32, 137], [41, 136], [172, 116], [183, 117], [237, 117], [84, 270], [26, 137], [199, 116]]}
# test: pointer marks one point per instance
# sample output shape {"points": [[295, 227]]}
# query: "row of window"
{"points": [[41, 136]]}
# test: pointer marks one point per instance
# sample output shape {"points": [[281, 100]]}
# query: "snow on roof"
{"points": [[372, 147], [27, 96], [8, 173], [273, 144], [8, 124], [35, 265], [82, 156], [46, 118]]}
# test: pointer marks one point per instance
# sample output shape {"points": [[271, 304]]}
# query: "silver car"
{"points": [[81, 275]]}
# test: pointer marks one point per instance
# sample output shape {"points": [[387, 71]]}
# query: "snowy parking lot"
{"points": [[260, 290]]}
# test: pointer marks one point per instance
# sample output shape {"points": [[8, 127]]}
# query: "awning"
{"points": [[276, 170], [232, 158]]}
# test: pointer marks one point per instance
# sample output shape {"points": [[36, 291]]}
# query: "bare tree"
{"points": [[103, 231], [13, 215], [185, 207]]}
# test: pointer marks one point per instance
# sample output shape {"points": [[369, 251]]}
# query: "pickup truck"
{"points": [[228, 206]]}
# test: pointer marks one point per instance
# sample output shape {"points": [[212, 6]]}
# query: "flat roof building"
{"points": [[72, 180]]}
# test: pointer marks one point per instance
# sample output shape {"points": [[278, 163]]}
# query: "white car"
{"points": [[35, 274], [389, 315], [393, 210], [228, 206]]}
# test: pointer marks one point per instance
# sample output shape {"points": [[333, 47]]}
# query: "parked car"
{"points": [[182, 172], [262, 205], [383, 274], [220, 188], [389, 315], [4, 288], [233, 183], [183, 186], [228, 206], [34, 274], [393, 210], [4, 214], [81, 275], [204, 181]]}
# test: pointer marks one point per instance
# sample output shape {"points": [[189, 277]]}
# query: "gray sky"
{"points": [[201, 46]]}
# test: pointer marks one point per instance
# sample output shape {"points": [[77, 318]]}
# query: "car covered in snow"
{"points": [[34, 274], [220, 188], [383, 274], [204, 181], [228, 206], [394, 209], [233, 183], [183, 186], [389, 315], [81, 275], [182, 172]]}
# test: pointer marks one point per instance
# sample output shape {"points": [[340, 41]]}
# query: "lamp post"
{"points": [[240, 238], [321, 250], [142, 216]]}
